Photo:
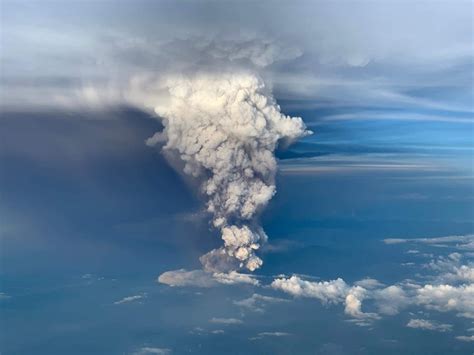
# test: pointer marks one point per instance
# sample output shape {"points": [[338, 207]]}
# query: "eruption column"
{"points": [[225, 129]]}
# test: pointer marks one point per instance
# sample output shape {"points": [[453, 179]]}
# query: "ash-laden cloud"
{"points": [[224, 128]]}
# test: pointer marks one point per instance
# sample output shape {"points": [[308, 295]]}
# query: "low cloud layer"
{"points": [[444, 287], [328, 292], [200, 278], [456, 296]]}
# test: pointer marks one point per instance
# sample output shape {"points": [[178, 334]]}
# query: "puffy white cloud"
{"points": [[462, 273], [451, 289], [391, 299], [451, 269], [388, 300], [224, 128], [445, 298], [353, 304], [429, 325], [327, 292]]}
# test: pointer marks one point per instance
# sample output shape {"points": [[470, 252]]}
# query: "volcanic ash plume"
{"points": [[225, 129]]}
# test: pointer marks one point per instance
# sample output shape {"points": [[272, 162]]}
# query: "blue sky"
{"points": [[370, 233]]}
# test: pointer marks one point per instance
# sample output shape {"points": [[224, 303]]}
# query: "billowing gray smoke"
{"points": [[225, 129]]}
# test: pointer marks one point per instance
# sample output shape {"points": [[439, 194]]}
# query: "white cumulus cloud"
{"points": [[391, 299], [328, 292], [446, 298]]}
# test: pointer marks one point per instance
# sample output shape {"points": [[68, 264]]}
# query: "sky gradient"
{"points": [[370, 233]]}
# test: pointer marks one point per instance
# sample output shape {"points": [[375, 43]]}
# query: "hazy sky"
{"points": [[340, 53], [370, 233]]}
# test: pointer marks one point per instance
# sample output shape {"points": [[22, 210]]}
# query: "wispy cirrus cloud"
{"points": [[456, 241], [129, 299], [429, 325], [258, 302], [450, 288], [369, 162], [270, 334], [226, 321], [398, 116], [467, 338], [152, 350]]}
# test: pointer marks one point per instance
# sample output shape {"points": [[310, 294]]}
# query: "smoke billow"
{"points": [[225, 129]]}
